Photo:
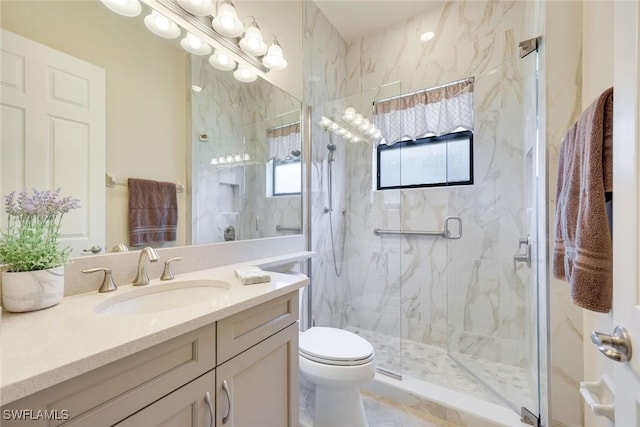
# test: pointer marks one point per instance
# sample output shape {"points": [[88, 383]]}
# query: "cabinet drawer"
{"points": [[242, 330], [189, 406], [107, 394]]}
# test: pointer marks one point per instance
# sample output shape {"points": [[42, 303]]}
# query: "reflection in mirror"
{"points": [[236, 142], [158, 128]]}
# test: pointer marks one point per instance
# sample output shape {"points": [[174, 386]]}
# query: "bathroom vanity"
{"points": [[231, 361]]}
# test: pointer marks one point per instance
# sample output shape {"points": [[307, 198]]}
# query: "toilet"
{"points": [[337, 362]]}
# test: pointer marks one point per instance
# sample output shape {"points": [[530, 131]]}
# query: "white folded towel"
{"points": [[251, 275]]}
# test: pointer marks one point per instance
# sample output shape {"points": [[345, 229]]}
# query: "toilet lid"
{"points": [[334, 346]]}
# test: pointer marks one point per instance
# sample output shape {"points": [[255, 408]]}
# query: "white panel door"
{"points": [[53, 133], [626, 209]]}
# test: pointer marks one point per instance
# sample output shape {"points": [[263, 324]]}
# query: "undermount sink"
{"points": [[161, 297]]}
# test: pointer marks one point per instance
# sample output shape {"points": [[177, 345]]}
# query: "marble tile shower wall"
{"points": [[325, 78], [462, 294], [235, 196]]}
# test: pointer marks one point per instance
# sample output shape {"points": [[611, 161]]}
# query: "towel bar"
{"points": [[112, 182]]}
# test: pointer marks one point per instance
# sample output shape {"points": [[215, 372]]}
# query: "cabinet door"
{"points": [[190, 405], [259, 387]]}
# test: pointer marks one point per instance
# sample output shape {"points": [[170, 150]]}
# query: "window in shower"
{"points": [[283, 177], [284, 169], [426, 162]]}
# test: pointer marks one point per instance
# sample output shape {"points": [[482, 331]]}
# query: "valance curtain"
{"points": [[436, 111], [283, 141]]}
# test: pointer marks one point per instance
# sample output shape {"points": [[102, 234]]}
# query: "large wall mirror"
{"points": [[170, 116]]}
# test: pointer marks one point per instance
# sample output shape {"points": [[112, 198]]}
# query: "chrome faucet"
{"points": [[142, 277]]}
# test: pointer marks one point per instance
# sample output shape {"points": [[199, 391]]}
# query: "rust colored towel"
{"points": [[582, 253], [153, 212]]}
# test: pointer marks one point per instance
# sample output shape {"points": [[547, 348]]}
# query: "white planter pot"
{"points": [[32, 290]]}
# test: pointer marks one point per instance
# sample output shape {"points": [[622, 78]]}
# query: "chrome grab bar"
{"points": [[446, 233], [281, 228]]}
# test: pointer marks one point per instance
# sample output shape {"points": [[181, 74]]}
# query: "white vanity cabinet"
{"points": [[179, 382], [257, 384]]}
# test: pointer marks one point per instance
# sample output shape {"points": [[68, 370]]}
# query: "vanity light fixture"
{"points": [[245, 74], [129, 8], [161, 26], [252, 42], [236, 159], [193, 44], [222, 61], [247, 56], [351, 126], [226, 21], [197, 7], [274, 59]]}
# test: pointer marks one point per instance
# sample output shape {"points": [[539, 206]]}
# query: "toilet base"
{"points": [[339, 407]]}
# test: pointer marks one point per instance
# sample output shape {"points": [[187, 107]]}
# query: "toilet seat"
{"points": [[332, 346]]}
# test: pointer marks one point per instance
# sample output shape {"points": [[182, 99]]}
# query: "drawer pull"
{"points": [[207, 399], [225, 388]]}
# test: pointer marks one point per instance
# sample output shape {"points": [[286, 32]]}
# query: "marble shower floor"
{"points": [[434, 365]]}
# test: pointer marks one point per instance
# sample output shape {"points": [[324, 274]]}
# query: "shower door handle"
{"points": [[523, 256]]}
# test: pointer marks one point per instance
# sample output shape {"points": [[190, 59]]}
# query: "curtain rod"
{"points": [[283, 126], [470, 79]]}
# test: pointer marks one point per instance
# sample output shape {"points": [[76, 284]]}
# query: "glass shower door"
{"points": [[361, 272], [491, 280]]}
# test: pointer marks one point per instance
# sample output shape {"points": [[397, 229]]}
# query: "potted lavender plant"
{"points": [[33, 263]]}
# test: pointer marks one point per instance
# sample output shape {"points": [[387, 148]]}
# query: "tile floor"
{"points": [[507, 385]]}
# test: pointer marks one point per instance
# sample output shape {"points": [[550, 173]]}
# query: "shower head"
{"points": [[332, 148]]}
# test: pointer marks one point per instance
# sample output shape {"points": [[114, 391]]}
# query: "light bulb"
{"points": [[325, 122], [194, 45], [246, 157], [252, 42], [197, 7], [161, 26], [129, 8], [274, 59], [349, 113], [355, 139], [377, 134], [371, 131], [214, 161], [341, 131], [365, 126], [237, 158], [334, 126], [357, 119], [425, 37], [221, 160], [245, 74], [222, 61], [227, 22], [229, 158]]}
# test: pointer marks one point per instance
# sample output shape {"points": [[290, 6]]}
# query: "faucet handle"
{"points": [[108, 285], [167, 274]]}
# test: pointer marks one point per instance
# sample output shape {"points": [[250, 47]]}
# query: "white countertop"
{"points": [[43, 348]]}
